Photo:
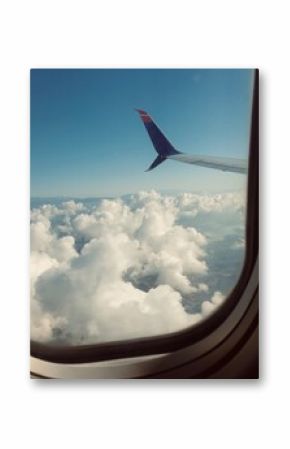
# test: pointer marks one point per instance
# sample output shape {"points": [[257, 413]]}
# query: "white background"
{"points": [[139, 414]]}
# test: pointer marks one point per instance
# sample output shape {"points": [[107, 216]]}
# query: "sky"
{"points": [[88, 141]]}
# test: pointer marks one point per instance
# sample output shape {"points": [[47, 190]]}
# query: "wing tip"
{"points": [[144, 116], [141, 111]]}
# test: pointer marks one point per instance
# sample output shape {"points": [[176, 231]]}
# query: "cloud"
{"points": [[120, 268]]}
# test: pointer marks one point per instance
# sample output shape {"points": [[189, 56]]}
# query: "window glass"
{"points": [[118, 252]]}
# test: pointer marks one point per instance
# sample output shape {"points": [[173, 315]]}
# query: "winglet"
{"points": [[161, 144], [144, 116], [156, 162]]}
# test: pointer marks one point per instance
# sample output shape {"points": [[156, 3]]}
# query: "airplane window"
{"points": [[123, 247]]}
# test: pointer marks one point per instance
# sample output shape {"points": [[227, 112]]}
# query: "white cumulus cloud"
{"points": [[120, 268]]}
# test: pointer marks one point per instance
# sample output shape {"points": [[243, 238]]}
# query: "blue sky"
{"points": [[87, 140]]}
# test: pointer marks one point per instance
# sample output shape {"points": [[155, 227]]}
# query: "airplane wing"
{"points": [[161, 144], [166, 150], [220, 163]]}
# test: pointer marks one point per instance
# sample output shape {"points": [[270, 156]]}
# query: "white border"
{"points": [[152, 33]]}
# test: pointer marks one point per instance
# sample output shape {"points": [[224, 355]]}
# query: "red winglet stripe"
{"points": [[146, 118]]}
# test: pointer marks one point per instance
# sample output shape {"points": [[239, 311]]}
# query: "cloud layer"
{"points": [[121, 268]]}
